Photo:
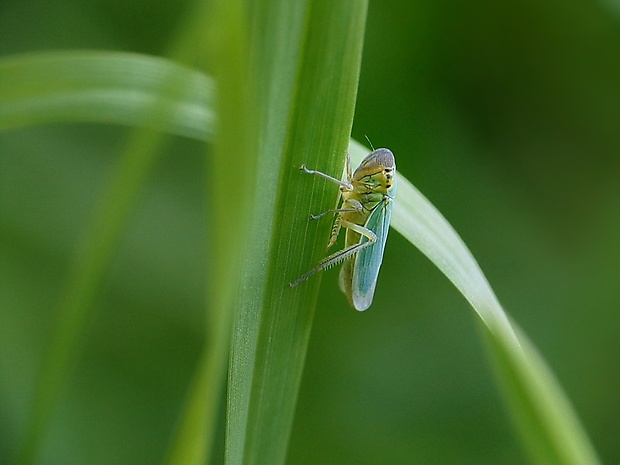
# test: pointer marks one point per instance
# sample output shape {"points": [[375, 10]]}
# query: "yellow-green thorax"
{"points": [[372, 180], [367, 186]]}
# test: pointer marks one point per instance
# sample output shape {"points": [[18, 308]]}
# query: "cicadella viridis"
{"points": [[367, 195]]}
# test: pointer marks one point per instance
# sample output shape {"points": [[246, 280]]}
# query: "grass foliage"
{"points": [[287, 74]]}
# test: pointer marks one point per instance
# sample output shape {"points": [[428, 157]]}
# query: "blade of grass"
{"points": [[545, 418], [271, 336], [158, 96], [91, 261], [277, 30], [230, 180], [103, 87]]}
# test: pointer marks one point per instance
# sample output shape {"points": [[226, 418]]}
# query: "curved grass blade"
{"points": [[92, 257], [544, 415], [124, 89], [104, 87]]}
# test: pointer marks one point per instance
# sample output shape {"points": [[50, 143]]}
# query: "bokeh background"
{"points": [[505, 114]]}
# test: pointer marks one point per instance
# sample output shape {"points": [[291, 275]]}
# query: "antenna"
{"points": [[371, 146]]}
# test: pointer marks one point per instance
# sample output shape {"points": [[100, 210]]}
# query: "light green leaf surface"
{"points": [[74, 86], [307, 65], [545, 417], [103, 87], [233, 164], [275, 318]]}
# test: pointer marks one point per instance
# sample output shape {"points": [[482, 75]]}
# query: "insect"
{"points": [[367, 196]]}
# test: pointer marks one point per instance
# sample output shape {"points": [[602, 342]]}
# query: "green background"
{"points": [[507, 116]]}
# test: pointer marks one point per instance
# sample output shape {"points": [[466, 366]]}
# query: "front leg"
{"points": [[344, 185]]}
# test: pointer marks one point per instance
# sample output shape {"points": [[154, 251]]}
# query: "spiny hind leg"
{"points": [[343, 254], [352, 250], [332, 210]]}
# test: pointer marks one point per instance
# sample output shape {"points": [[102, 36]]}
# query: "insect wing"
{"points": [[368, 261]]}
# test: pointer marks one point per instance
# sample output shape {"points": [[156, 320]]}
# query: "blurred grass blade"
{"points": [[216, 32], [89, 266], [546, 420], [103, 87], [230, 180], [545, 417]]}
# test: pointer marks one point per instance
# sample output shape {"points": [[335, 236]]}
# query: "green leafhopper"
{"points": [[365, 211]]}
